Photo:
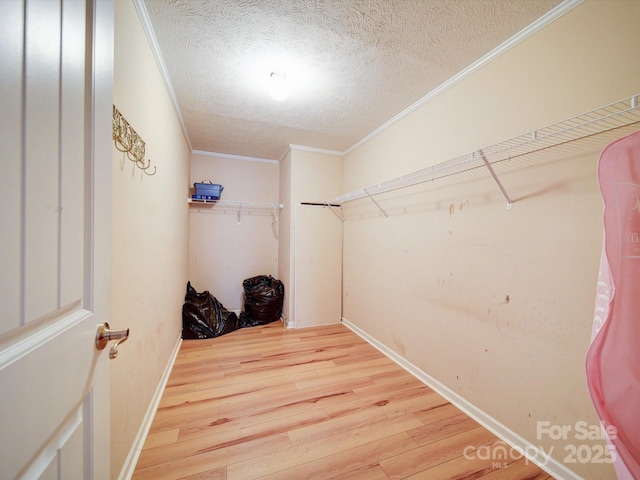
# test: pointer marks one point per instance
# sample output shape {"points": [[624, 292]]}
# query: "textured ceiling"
{"points": [[351, 64]]}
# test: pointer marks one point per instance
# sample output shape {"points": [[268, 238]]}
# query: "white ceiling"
{"points": [[351, 65]]}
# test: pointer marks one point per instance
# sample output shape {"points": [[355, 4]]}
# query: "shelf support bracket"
{"points": [[334, 212], [239, 208], [376, 203], [497, 180]]}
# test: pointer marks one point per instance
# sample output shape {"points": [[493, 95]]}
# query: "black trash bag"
{"points": [[203, 316], [263, 300]]}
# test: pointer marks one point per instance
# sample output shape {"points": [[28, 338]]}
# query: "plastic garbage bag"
{"points": [[203, 316], [263, 300]]}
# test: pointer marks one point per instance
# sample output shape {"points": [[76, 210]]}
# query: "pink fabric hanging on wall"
{"points": [[613, 358]]}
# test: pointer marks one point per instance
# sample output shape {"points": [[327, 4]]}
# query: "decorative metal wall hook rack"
{"points": [[127, 141]]}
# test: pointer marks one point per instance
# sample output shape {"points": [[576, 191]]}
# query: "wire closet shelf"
{"points": [[600, 120], [238, 205], [241, 208]]}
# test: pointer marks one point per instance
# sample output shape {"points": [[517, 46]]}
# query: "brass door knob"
{"points": [[106, 334]]}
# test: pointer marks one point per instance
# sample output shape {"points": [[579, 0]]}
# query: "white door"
{"points": [[318, 267], [55, 93]]}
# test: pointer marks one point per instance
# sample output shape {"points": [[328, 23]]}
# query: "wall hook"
{"points": [[127, 141]]}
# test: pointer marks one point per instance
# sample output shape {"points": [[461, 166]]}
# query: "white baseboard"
{"points": [[132, 459], [287, 323], [520, 444]]}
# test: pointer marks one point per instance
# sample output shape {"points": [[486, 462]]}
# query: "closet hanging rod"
{"points": [[330, 206], [239, 204], [600, 120], [408, 180], [250, 205], [318, 204]]}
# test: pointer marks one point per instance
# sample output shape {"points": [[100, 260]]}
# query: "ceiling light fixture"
{"points": [[278, 86]]}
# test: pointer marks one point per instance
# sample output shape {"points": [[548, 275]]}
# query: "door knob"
{"points": [[106, 334]]}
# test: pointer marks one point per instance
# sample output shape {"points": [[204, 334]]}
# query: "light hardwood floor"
{"points": [[270, 403]]}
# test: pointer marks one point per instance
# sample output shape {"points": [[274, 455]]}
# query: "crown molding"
{"points": [[531, 29], [534, 27], [315, 150], [141, 8], [233, 157]]}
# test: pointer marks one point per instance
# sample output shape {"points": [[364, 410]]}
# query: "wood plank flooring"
{"points": [[317, 403]]}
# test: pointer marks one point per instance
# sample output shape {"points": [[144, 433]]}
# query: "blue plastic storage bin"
{"points": [[208, 191]]}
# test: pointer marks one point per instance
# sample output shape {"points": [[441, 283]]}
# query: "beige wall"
{"points": [[285, 260], [317, 267], [313, 177], [223, 253], [497, 304], [150, 234]]}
